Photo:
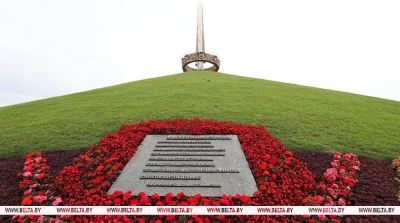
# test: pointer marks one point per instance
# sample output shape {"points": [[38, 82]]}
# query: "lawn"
{"points": [[302, 118]]}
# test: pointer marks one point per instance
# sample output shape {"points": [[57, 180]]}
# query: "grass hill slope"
{"points": [[302, 118]]}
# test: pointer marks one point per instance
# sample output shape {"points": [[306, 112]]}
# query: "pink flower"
{"points": [[331, 191], [39, 199], [321, 217], [27, 174], [57, 201], [28, 168], [27, 193], [331, 172], [35, 185], [356, 168], [18, 216], [28, 162], [341, 202], [37, 159], [40, 219], [305, 215]]}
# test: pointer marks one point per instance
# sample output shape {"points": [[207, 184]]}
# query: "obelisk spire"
{"points": [[200, 57], [200, 35]]}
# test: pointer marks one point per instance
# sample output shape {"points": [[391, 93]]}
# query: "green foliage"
{"points": [[302, 118]]}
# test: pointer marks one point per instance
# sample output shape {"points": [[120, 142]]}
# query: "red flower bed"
{"points": [[336, 184], [38, 187], [396, 167], [281, 178]]}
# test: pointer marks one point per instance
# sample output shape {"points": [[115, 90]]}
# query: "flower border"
{"points": [[38, 188], [281, 178], [396, 167]]}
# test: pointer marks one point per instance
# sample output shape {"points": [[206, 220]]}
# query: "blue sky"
{"points": [[53, 48]]}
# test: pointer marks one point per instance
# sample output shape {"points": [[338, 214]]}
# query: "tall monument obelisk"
{"points": [[200, 57], [200, 47]]}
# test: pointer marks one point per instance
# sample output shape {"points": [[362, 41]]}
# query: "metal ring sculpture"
{"points": [[200, 56]]}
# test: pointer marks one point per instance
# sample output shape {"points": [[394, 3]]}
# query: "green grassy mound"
{"points": [[302, 118]]}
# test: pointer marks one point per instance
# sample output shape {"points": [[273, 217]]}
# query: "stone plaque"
{"points": [[210, 165]]}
